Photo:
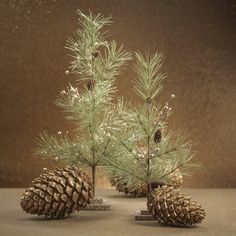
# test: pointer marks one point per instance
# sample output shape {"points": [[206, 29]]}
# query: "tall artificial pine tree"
{"points": [[96, 61]]}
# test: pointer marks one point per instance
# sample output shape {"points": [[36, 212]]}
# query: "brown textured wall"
{"points": [[198, 38]]}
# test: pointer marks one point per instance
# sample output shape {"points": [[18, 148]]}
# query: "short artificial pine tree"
{"points": [[96, 62], [146, 155]]}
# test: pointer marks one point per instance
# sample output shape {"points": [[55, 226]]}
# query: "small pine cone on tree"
{"points": [[157, 136], [57, 193], [171, 207]]}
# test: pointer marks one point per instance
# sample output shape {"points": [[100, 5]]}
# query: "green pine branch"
{"points": [[149, 76]]}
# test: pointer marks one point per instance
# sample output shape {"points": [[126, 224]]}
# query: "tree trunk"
{"points": [[93, 179]]}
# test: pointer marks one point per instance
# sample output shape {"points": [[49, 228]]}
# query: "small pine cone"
{"points": [[157, 136], [90, 84], [171, 207], [57, 193]]}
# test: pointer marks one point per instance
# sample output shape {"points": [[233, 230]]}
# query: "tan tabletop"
{"points": [[220, 205]]}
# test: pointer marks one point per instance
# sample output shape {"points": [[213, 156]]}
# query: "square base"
{"points": [[144, 214], [97, 204]]}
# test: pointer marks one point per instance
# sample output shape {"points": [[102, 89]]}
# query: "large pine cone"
{"points": [[176, 180], [56, 193], [171, 207], [121, 186]]}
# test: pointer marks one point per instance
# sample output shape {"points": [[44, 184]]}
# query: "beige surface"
{"points": [[198, 38], [219, 204]]}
